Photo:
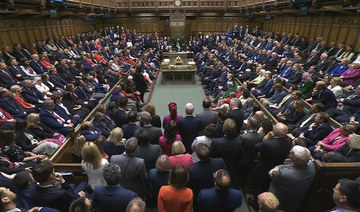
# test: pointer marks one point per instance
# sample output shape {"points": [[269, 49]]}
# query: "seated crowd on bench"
{"points": [[199, 161]]}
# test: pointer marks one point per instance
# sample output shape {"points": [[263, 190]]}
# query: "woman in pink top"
{"points": [[333, 141], [166, 141], [178, 150], [173, 114]]}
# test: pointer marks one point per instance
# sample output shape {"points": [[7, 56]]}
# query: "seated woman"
{"points": [[115, 143], [292, 114], [333, 141], [16, 93], [259, 81], [179, 156], [173, 114], [93, 164], [42, 131], [306, 85], [335, 87], [339, 69], [266, 88], [40, 86], [170, 136], [351, 150]]}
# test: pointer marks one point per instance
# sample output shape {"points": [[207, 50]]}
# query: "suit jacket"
{"points": [[273, 152], [129, 130], [13, 107], [249, 140], [43, 131], [7, 80], [189, 128], [207, 117], [119, 116], [133, 172], [317, 133], [92, 134], [350, 76], [351, 155], [231, 150], [238, 116], [213, 200], [154, 133], [57, 80], [111, 199], [17, 70], [50, 120], [326, 97], [54, 198], [33, 95]]}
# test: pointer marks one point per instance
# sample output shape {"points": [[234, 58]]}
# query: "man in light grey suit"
{"points": [[133, 170], [207, 116], [154, 132], [291, 182]]}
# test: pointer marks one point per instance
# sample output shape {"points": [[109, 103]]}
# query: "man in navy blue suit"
{"points": [[201, 173], [221, 197], [89, 131], [35, 64], [31, 94], [6, 79], [130, 128], [113, 197], [11, 105], [323, 95], [189, 127]]}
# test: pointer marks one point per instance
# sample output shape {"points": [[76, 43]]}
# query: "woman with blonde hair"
{"points": [[93, 164], [42, 131], [178, 150], [76, 150], [16, 93], [115, 143]]}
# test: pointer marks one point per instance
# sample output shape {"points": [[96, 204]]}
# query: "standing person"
{"points": [[140, 82], [206, 116], [236, 113], [346, 196], [173, 114], [176, 197], [291, 182], [93, 164], [155, 119], [170, 136]]}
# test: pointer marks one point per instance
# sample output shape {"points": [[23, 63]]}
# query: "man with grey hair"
{"points": [[273, 152], [236, 113], [154, 132], [291, 182], [134, 175], [112, 197], [189, 127], [54, 120]]}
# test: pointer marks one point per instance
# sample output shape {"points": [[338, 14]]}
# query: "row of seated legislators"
{"points": [[196, 162]]}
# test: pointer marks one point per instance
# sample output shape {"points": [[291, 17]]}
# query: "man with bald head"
{"points": [[291, 182], [221, 197], [273, 152], [189, 127]]}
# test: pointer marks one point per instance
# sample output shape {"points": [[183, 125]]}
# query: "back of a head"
{"points": [[203, 152], [179, 177], [145, 118], [123, 102], [177, 148], [229, 127], [268, 202], [131, 145], [143, 137], [235, 102], [42, 171], [351, 190], [173, 110], [206, 103], [20, 125], [252, 123], [163, 163], [189, 109], [82, 204], [280, 130], [131, 116], [136, 205], [210, 130], [222, 179], [354, 141], [300, 155], [23, 179], [112, 174]]}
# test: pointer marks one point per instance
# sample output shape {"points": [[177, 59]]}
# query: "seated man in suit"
{"points": [[103, 123], [7, 122], [112, 197], [291, 182], [12, 106], [221, 197], [154, 132], [54, 120], [322, 94], [134, 175], [317, 130], [189, 127], [307, 120], [118, 114], [6, 79], [45, 194], [31, 94], [89, 131], [36, 65], [15, 70], [201, 173]]}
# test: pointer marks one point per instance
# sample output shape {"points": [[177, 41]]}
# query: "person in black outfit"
{"points": [[140, 82]]}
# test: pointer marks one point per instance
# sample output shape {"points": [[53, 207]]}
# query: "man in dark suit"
{"points": [[118, 114], [312, 59], [206, 116], [221, 197], [6, 79], [15, 70], [44, 194], [31, 94], [104, 123], [20, 53], [332, 49], [54, 120], [201, 173], [130, 128], [307, 120], [318, 130], [112, 197], [12, 106], [36, 65], [134, 175], [89, 131], [273, 152], [189, 127], [236, 113], [323, 95], [154, 132]]}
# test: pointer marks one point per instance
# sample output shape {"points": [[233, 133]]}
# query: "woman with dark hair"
{"points": [[140, 82], [30, 142], [173, 114], [176, 197], [266, 129], [170, 136], [207, 139]]}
